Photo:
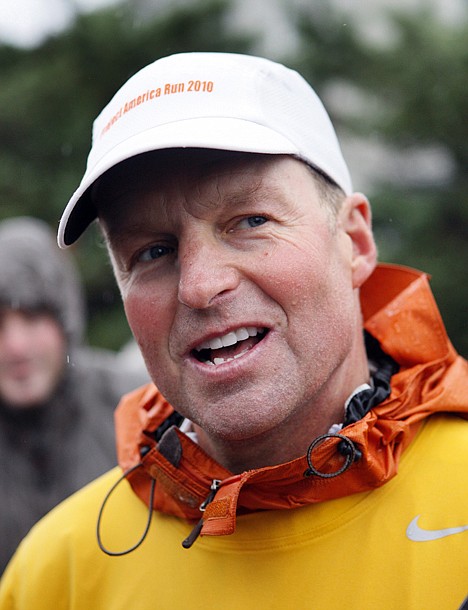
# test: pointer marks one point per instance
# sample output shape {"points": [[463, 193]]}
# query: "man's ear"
{"points": [[356, 221]]}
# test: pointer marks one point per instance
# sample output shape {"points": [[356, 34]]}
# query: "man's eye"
{"points": [[252, 221], [151, 254]]}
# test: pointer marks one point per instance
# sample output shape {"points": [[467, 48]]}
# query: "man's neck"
{"points": [[280, 444]]}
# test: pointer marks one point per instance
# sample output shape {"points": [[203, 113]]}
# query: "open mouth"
{"points": [[234, 344]]}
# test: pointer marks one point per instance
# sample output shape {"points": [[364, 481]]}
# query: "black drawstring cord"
{"points": [[346, 447], [101, 511]]}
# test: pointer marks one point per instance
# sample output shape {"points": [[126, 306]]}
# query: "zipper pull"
{"points": [[210, 497], [187, 543]]}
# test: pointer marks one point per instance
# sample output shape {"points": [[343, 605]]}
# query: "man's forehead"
{"points": [[242, 175], [194, 163]]}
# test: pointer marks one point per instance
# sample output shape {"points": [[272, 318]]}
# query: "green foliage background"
{"points": [[414, 89]]}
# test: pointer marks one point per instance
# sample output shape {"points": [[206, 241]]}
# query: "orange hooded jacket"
{"points": [[400, 312]]}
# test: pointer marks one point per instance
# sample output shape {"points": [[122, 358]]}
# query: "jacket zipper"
{"points": [[215, 485]]}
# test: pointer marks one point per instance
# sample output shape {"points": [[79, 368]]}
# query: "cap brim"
{"points": [[217, 133]]}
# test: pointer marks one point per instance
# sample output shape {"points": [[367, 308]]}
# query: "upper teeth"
{"points": [[230, 338]]}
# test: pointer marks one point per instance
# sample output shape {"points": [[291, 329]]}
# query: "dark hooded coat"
{"points": [[48, 452]]}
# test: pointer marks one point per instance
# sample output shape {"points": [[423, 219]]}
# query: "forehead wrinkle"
{"points": [[261, 190]]}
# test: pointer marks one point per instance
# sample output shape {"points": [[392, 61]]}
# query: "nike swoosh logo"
{"points": [[417, 534]]}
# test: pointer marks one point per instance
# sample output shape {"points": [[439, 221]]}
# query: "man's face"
{"points": [[239, 287], [32, 357]]}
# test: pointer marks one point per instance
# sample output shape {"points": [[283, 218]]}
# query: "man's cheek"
{"points": [[142, 316]]}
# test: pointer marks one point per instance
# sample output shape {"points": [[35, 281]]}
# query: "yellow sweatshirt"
{"points": [[403, 546]]}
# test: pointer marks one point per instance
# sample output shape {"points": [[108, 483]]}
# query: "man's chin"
{"points": [[21, 398]]}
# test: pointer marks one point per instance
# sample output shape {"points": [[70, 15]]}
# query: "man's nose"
{"points": [[15, 336], [207, 272]]}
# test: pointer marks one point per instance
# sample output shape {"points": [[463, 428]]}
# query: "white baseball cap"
{"points": [[223, 101]]}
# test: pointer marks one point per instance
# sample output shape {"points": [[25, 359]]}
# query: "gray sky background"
{"points": [[26, 22]]}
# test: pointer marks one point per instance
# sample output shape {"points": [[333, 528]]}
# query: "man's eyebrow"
{"points": [[118, 233], [253, 194]]}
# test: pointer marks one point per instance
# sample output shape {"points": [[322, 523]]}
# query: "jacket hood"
{"points": [[400, 312], [36, 275]]}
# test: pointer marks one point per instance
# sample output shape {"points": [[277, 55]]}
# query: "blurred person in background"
{"points": [[56, 396]]}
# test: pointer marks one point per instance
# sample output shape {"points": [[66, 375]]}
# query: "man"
{"points": [[56, 396], [285, 459]]}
